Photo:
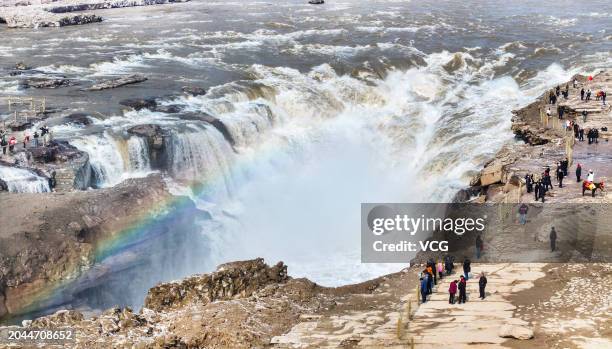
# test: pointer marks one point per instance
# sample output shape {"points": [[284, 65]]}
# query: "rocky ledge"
{"points": [[240, 305], [26, 14], [545, 142], [53, 236]]}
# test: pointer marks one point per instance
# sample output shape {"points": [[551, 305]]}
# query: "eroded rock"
{"points": [[118, 82]]}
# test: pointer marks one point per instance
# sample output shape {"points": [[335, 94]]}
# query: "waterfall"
{"points": [[203, 155], [138, 154], [105, 157], [23, 181]]}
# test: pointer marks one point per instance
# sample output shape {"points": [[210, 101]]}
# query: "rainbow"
{"points": [[138, 229]]}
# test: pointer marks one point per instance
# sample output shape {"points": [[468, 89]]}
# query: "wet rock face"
{"points": [[209, 119], [140, 103], [47, 83], [194, 91], [82, 119], [231, 280], [156, 140]]}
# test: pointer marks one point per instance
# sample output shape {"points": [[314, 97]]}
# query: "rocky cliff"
{"points": [[53, 236]]}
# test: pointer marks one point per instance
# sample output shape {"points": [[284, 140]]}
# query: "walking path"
{"points": [[434, 324]]}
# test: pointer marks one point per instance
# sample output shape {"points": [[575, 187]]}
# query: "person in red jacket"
{"points": [[452, 291]]}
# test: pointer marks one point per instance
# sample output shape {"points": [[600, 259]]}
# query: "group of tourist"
{"points": [[544, 183], [599, 95], [434, 272], [10, 141]]}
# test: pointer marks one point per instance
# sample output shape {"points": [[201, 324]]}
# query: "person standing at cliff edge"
{"points": [[482, 283], [553, 239]]}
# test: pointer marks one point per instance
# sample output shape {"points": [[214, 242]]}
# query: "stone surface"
{"points": [[118, 82], [515, 331]]}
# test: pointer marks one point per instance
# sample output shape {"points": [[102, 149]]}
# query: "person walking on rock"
{"points": [[560, 176], [482, 283], [36, 139], [440, 269], [553, 239], [462, 290], [578, 172], [523, 213], [582, 94], [449, 264], [452, 291], [424, 283]]}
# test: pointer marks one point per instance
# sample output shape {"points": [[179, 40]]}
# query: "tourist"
{"points": [[536, 190], [36, 139], [576, 130], [560, 176], [596, 135], [3, 143], [424, 283], [582, 94], [482, 283], [584, 115], [429, 273], [540, 190], [478, 246], [547, 180], [467, 268], [523, 213], [591, 176], [44, 131], [52, 181], [26, 138], [603, 97], [560, 111], [528, 183], [449, 264], [581, 135], [462, 290], [452, 291], [575, 83], [431, 267], [564, 166], [553, 239], [12, 142], [440, 269], [548, 112], [588, 95], [578, 172], [590, 136], [557, 91]]}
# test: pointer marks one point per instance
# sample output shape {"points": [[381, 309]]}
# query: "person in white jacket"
{"points": [[591, 176]]}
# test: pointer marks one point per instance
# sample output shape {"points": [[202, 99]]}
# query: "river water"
{"points": [[328, 106]]}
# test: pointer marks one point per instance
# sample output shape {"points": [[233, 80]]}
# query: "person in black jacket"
{"points": [[482, 283], [462, 290], [467, 268]]}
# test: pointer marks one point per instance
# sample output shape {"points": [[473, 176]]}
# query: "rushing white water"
{"points": [[105, 157], [138, 150], [309, 147], [23, 181], [204, 156]]}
